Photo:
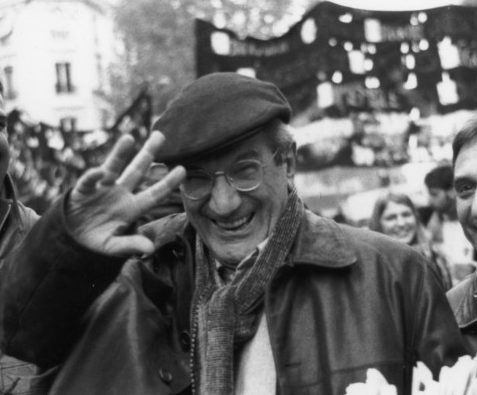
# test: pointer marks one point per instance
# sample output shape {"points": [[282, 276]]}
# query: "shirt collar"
{"points": [[227, 272]]}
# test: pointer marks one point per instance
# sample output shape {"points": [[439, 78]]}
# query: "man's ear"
{"points": [[290, 161]]}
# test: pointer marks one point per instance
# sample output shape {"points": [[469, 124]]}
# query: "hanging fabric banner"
{"points": [[358, 59]]}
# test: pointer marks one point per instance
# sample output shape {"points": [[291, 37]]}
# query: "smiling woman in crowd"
{"points": [[396, 216]]}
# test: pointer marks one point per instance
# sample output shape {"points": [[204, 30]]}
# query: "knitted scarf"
{"points": [[224, 316]]}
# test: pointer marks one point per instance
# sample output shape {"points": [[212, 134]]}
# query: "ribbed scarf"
{"points": [[224, 316]]}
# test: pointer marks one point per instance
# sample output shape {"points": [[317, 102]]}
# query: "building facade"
{"points": [[56, 55]]}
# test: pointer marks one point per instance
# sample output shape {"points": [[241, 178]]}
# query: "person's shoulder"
{"points": [[372, 258], [390, 258], [352, 234], [361, 241], [378, 242]]}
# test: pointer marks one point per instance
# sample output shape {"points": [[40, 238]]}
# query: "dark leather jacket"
{"points": [[16, 220], [345, 301], [463, 300]]}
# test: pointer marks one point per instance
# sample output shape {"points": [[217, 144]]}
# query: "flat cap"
{"points": [[216, 111]]}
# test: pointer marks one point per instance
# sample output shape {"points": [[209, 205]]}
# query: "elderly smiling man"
{"points": [[246, 292]]}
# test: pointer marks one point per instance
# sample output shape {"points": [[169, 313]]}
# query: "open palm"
{"points": [[103, 206]]}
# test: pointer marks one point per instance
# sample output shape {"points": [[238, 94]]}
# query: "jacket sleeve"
{"points": [[436, 336], [45, 288]]}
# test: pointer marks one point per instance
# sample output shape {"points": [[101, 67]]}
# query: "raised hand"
{"points": [[103, 206]]}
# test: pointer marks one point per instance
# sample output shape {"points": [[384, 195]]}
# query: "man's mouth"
{"points": [[233, 225]]}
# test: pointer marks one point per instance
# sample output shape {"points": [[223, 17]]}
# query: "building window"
{"points": [[63, 78], [9, 88], [68, 124]]}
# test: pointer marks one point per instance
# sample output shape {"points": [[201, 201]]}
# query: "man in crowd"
{"points": [[247, 292], [442, 224], [463, 296], [15, 219], [441, 198], [15, 222]]}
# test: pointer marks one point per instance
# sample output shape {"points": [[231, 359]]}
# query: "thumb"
{"points": [[129, 245]]}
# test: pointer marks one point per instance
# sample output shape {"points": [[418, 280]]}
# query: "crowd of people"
{"points": [[374, 146], [47, 160], [241, 289], [433, 229]]}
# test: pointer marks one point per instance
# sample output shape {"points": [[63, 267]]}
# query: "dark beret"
{"points": [[216, 111]]}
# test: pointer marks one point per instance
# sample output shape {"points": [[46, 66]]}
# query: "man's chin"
{"points": [[233, 254], [235, 246]]}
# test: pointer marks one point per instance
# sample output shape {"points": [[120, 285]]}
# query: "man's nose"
{"points": [[398, 221], [224, 198]]}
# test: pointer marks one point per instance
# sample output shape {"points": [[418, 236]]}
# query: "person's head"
{"points": [[440, 188], [465, 178], [239, 154], [396, 216]]}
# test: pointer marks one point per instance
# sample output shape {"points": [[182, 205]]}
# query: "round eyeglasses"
{"points": [[244, 175]]}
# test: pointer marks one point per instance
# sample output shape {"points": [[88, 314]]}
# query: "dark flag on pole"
{"points": [[136, 119]]}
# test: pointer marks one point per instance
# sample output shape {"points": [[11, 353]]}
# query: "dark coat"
{"points": [[463, 300], [346, 300], [16, 220]]}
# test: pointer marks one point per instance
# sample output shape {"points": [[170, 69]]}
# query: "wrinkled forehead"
{"points": [[470, 146], [466, 162]]}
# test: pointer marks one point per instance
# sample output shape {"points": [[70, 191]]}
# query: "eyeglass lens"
{"points": [[244, 176]]}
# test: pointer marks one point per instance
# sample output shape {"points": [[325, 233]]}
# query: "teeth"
{"points": [[232, 224]]}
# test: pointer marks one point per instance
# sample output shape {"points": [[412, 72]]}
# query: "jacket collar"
{"points": [[319, 242], [466, 310], [322, 242]]}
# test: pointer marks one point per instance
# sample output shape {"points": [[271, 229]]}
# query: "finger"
{"points": [[87, 182], [129, 245], [156, 172], [120, 155], [139, 166], [151, 196]]}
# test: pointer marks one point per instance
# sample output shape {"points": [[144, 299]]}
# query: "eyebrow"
{"points": [[251, 154], [463, 179], [248, 154]]}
